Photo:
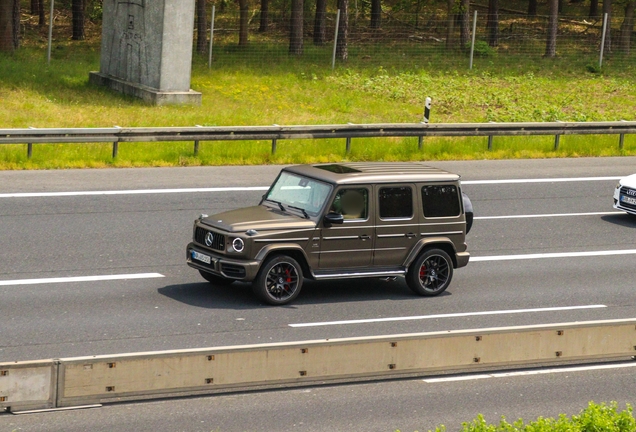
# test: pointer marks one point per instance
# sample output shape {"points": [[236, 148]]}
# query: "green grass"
{"points": [[264, 86]]}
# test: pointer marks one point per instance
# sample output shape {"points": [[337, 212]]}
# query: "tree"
{"points": [[34, 7], [296, 28], [244, 21], [607, 9], [320, 29], [464, 29], [492, 24], [41, 17], [6, 26], [342, 47], [202, 27], [77, 9], [264, 16], [376, 14], [532, 8], [593, 9], [450, 24], [553, 23], [627, 27]]}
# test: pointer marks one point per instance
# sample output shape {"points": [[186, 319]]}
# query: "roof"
{"points": [[374, 172]]}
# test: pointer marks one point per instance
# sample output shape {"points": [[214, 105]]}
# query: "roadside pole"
{"points": [[211, 37], [335, 41], [600, 60], [48, 55], [472, 44]]}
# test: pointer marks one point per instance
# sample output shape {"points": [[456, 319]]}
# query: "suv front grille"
{"points": [[218, 240]]}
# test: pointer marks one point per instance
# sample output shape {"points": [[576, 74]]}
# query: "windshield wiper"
{"points": [[302, 210], [280, 204]]}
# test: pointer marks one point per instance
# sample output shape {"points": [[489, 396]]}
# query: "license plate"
{"points": [[201, 257], [628, 200]]}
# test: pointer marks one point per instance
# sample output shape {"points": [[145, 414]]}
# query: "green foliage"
{"points": [[482, 49], [594, 418]]}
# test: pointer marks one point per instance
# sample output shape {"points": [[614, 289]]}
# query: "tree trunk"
{"points": [[264, 16], [607, 9], [16, 24], [41, 17], [34, 7], [450, 25], [627, 27], [532, 8], [244, 18], [492, 24], [296, 28], [342, 47], [202, 27], [464, 30], [561, 6], [320, 29], [376, 14], [550, 46], [6, 26], [593, 9], [77, 8]]}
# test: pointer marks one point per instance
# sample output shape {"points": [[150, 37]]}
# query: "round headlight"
{"points": [[238, 244]]}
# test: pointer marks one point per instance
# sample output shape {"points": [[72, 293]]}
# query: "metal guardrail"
{"points": [[88, 380], [116, 135]]}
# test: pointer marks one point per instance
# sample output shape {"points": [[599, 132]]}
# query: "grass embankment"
{"points": [[594, 418], [254, 88]]}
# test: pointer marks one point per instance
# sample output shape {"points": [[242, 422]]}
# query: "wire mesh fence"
{"points": [[420, 41]]}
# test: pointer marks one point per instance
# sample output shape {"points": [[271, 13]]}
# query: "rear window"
{"points": [[396, 202], [440, 201]]}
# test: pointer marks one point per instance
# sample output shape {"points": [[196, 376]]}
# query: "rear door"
{"points": [[397, 223]]}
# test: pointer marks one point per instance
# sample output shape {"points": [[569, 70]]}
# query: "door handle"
{"points": [[364, 237], [410, 235]]}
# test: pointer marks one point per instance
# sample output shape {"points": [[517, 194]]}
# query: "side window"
{"points": [[396, 202], [440, 201], [351, 203]]}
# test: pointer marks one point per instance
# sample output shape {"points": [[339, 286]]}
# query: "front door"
{"points": [[349, 245]]}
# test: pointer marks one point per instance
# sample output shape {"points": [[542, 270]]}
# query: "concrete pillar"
{"points": [[147, 50]]}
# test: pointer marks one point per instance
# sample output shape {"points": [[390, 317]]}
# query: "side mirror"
{"points": [[334, 219]]}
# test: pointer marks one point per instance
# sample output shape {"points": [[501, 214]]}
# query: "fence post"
{"points": [[211, 37], [472, 44], [557, 140], [335, 41], [48, 53], [600, 61]]}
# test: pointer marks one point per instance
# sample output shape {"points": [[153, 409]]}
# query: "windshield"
{"points": [[303, 193]]}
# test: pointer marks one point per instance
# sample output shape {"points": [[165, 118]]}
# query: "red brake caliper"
{"points": [[288, 272], [422, 272]]}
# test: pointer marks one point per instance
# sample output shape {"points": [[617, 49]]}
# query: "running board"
{"points": [[362, 274]]}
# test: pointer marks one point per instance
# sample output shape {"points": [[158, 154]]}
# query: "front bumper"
{"points": [[222, 266], [618, 205]]}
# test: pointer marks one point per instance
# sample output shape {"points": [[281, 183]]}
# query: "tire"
{"points": [[279, 280], [431, 273], [216, 280]]}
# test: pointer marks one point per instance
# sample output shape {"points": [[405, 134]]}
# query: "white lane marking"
{"points": [[547, 215], [450, 315], [530, 372], [263, 188], [132, 192], [539, 180], [80, 279], [552, 255]]}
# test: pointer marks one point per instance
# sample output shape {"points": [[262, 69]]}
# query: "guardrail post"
{"points": [[196, 148], [490, 138], [348, 150], [621, 141], [115, 149], [274, 141], [557, 140], [420, 142]]}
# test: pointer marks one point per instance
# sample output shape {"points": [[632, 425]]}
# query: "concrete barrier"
{"points": [[95, 379], [28, 385]]}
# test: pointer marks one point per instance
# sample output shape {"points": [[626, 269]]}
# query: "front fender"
{"points": [[262, 254]]}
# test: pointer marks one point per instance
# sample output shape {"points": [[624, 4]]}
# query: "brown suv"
{"points": [[336, 221]]}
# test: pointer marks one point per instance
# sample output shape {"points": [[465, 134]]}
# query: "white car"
{"points": [[625, 195]]}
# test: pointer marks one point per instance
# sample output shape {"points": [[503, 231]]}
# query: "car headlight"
{"points": [[238, 245]]}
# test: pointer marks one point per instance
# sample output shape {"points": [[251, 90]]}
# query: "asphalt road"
{"points": [[55, 230]]}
